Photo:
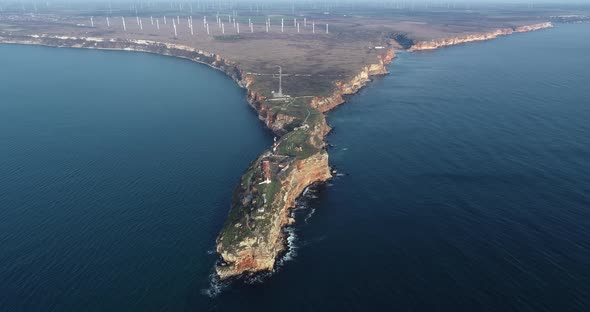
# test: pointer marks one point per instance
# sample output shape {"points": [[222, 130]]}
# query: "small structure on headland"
{"points": [[279, 94], [266, 169]]}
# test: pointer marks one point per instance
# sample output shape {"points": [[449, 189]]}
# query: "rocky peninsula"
{"points": [[253, 236]]}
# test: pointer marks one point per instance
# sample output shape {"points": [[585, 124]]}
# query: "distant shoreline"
{"points": [[445, 42]]}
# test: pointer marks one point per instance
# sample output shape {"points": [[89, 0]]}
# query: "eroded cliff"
{"points": [[324, 104], [438, 43]]}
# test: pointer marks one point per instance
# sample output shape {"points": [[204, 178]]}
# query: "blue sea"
{"points": [[463, 184]]}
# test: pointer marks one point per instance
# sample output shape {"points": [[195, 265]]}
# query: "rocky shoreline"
{"points": [[439, 43]]}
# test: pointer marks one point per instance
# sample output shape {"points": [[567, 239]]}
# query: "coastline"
{"points": [[253, 236], [439, 43]]}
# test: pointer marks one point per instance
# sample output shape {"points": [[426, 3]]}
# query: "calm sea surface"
{"points": [[465, 184]]}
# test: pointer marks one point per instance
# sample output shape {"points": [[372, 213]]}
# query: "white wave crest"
{"points": [[216, 286], [291, 247], [311, 212]]}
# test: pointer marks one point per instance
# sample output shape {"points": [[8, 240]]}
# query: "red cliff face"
{"points": [[259, 248], [435, 44], [353, 85], [276, 122], [533, 27]]}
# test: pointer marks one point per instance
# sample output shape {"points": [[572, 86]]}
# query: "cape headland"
{"points": [[317, 72]]}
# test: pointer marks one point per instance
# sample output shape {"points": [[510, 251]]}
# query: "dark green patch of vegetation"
{"points": [[402, 39]]}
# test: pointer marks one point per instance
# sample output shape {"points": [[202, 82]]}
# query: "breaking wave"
{"points": [[311, 211], [216, 286], [291, 246]]}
